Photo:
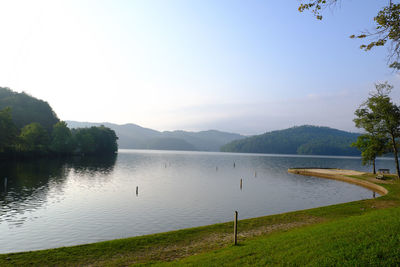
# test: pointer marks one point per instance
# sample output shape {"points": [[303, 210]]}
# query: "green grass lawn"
{"points": [[359, 233], [371, 239]]}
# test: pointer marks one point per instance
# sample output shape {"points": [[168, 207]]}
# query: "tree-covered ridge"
{"points": [[26, 109], [304, 140], [29, 127]]}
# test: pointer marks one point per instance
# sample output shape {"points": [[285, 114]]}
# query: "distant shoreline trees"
{"points": [[301, 140], [34, 140], [29, 128], [8, 131]]}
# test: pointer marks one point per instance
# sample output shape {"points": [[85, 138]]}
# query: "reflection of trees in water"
{"points": [[30, 182], [92, 165]]}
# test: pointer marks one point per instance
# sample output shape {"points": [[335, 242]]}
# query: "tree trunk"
{"points": [[373, 164], [396, 158]]}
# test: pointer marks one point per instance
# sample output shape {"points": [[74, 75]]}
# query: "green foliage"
{"points": [[8, 131], [316, 6], [61, 139], [371, 146], [304, 140], [84, 141], [387, 27], [95, 140], [42, 133], [34, 139], [379, 116], [26, 109]]}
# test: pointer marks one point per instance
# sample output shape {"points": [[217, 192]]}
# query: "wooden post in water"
{"points": [[255, 174], [137, 190], [235, 225], [241, 183], [5, 184], [374, 194]]}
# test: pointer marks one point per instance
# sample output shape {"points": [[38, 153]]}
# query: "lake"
{"points": [[51, 203]]}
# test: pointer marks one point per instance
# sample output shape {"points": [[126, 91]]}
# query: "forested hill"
{"points": [[26, 109], [136, 137], [303, 140], [30, 128]]}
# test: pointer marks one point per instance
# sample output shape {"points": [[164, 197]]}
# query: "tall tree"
{"points": [[8, 131], [34, 139], [84, 140], [96, 140], [61, 139], [386, 31], [380, 116], [371, 146]]}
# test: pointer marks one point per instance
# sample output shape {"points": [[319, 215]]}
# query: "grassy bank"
{"points": [[357, 233], [368, 240]]}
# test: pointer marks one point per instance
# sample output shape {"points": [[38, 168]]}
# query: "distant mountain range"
{"points": [[304, 140], [136, 137]]}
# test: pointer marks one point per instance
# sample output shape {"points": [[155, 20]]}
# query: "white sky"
{"points": [[239, 66]]}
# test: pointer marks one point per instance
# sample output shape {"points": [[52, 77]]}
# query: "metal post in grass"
{"points": [[235, 225]]}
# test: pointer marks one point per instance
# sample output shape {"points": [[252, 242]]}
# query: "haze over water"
{"points": [[47, 204]]}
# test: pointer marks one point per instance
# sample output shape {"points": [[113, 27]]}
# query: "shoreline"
{"points": [[341, 175], [206, 240]]}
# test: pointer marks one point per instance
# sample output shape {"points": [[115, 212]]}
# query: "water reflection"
{"points": [[83, 200], [28, 184], [5, 184], [93, 166]]}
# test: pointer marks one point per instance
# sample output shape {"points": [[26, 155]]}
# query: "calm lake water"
{"points": [[53, 203]]}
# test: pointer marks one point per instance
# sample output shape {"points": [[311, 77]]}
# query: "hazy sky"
{"points": [[240, 66]]}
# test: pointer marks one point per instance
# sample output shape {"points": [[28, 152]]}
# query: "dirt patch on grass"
{"points": [[202, 244], [384, 204], [262, 230]]}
